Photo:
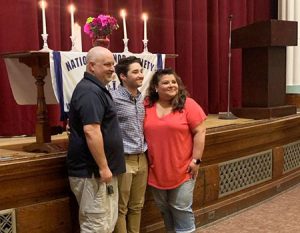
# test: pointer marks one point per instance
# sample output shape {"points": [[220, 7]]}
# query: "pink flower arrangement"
{"points": [[101, 26]]}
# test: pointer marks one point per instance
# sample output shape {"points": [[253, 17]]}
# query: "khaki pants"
{"points": [[132, 187], [98, 210]]}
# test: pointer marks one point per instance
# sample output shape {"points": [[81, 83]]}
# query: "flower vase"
{"points": [[104, 42]]}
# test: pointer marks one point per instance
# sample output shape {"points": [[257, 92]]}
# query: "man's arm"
{"points": [[94, 141]]}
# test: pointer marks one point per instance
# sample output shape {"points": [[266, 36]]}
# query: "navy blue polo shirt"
{"points": [[92, 103]]}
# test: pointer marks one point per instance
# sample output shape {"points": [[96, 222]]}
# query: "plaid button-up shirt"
{"points": [[131, 114]]}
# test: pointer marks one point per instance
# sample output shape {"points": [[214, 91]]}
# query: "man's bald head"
{"points": [[97, 53], [100, 63]]}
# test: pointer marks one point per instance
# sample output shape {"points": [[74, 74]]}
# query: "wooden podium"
{"points": [[264, 67], [38, 62]]}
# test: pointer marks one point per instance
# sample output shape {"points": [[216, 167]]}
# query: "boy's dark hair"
{"points": [[123, 66]]}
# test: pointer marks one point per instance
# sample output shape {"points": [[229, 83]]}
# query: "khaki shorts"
{"points": [[98, 210]]}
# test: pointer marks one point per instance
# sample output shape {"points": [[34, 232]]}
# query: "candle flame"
{"points": [[43, 4], [144, 16], [72, 8], [123, 13]]}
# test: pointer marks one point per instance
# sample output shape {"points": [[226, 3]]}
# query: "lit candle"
{"points": [[72, 10], [43, 6], [77, 37], [123, 14], [145, 18]]}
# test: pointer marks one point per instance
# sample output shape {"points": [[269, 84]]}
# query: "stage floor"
{"points": [[11, 148], [212, 121]]}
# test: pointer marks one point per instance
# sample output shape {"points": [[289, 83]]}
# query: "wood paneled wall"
{"points": [[37, 187]]}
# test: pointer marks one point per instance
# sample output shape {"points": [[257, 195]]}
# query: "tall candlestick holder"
{"points": [[45, 46], [145, 42], [73, 48], [126, 46]]}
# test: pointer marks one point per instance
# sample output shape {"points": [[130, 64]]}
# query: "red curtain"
{"points": [[195, 30]]}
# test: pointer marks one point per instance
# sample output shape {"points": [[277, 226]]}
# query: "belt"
{"points": [[138, 154]]}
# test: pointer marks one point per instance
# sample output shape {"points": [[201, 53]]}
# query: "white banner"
{"points": [[67, 69], [72, 67]]}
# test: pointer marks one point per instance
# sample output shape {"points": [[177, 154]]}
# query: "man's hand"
{"points": [[105, 175]]}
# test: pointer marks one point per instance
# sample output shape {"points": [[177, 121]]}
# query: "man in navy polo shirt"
{"points": [[95, 156]]}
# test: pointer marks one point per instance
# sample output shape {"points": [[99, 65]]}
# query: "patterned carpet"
{"points": [[280, 214]]}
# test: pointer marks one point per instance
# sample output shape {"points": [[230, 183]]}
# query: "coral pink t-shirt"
{"points": [[170, 144]]}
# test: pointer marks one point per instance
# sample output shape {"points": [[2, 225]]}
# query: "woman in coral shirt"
{"points": [[175, 135]]}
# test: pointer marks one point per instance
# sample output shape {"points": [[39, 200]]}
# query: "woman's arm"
{"points": [[198, 147]]}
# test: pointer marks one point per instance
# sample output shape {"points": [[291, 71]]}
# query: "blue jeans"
{"points": [[176, 207]]}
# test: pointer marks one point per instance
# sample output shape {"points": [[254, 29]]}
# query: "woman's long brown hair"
{"points": [[152, 96]]}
